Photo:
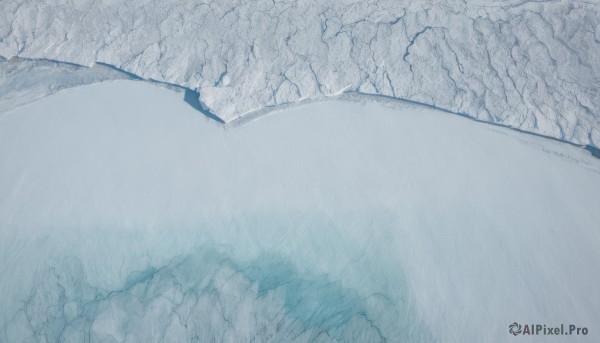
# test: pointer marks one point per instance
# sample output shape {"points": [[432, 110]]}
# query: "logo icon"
{"points": [[514, 328]]}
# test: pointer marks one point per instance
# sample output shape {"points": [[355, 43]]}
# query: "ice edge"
{"points": [[193, 98]]}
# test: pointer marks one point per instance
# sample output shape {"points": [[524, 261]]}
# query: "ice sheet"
{"points": [[123, 210]]}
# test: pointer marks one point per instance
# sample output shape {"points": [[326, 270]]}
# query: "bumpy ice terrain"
{"points": [[532, 65]]}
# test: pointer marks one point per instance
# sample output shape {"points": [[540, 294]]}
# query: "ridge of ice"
{"points": [[532, 65], [24, 81]]}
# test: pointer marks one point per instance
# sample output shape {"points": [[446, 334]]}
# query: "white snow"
{"points": [[533, 65], [372, 221]]}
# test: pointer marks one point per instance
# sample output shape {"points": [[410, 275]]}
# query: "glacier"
{"points": [[531, 65], [127, 216]]}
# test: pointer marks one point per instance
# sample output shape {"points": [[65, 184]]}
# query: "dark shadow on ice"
{"points": [[193, 99], [110, 66], [595, 151]]}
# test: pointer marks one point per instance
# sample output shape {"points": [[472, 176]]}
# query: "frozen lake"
{"points": [[124, 213]]}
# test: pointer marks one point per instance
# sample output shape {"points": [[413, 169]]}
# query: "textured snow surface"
{"points": [[125, 215], [533, 65]]}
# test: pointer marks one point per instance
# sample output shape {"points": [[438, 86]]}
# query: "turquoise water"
{"points": [[206, 296]]}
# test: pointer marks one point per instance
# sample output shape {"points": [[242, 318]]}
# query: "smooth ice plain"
{"points": [[125, 215]]}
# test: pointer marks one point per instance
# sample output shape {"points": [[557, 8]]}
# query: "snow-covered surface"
{"points": [[533, 65], [124, 214]]}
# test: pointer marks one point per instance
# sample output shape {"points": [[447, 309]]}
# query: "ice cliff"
{"points": [[532, 65], [23, 81]]}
